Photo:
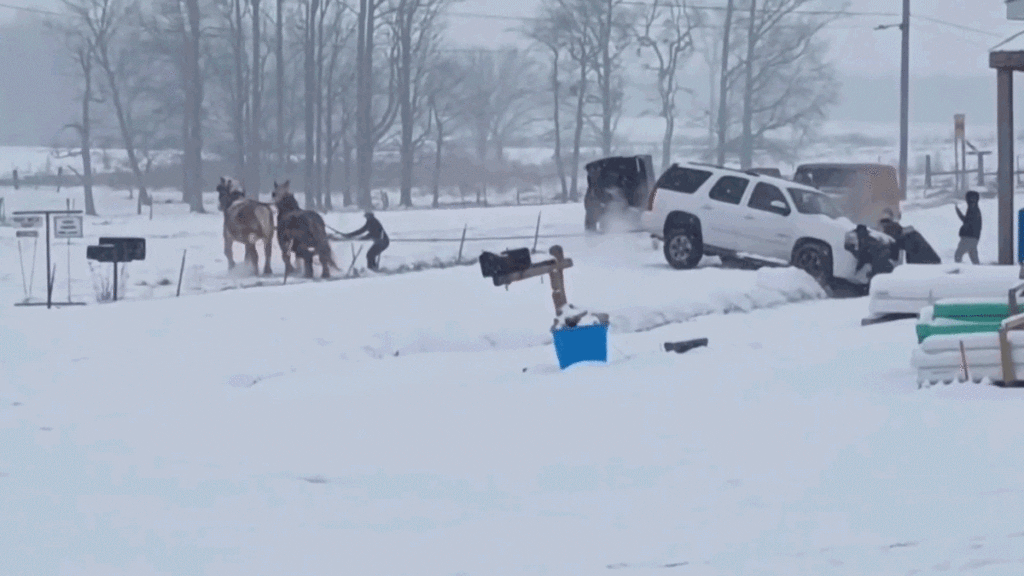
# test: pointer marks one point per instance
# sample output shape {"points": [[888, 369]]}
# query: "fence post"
{"points": [[536, 233], [927, 171], [461, 242], [181, 272]]}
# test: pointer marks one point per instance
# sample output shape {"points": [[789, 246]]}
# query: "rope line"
{"points": [[491, 238]]}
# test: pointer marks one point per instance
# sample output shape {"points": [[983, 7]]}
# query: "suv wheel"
{"points": [[683, 248], [816, 260]]}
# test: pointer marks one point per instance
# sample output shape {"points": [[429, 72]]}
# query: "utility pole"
{"points": [[723, 87], [904, 96]]}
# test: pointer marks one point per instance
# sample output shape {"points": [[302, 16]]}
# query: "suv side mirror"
{"points": [[780, 205]]}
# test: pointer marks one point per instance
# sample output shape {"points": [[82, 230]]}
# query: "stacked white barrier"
{"points": [[911, 287]]}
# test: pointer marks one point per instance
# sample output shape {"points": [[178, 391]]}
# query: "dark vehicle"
{"points": [[767, 172], [615, 185], [865, 193]]}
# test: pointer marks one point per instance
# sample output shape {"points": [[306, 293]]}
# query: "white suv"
{"points": [[698, 209]]}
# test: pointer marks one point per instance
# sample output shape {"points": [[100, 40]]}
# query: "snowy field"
{"points": [[418, 424]]}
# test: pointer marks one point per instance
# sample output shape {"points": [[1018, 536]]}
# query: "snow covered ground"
{"points": [[418, 424]]}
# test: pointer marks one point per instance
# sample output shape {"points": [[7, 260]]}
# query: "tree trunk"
{"points": [[606, 86], [85, 60], [364, 104], [346, 190], [747, 141], [438, 143], [318, 182], [240, 91], [666, 142], [405, 101], [193, 113], [723, 87], [256, 111], [282, 162], [127, 133], [578, 131], [559, 164], [310, 85]]}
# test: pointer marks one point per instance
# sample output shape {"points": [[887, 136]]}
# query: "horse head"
{"points": [[228, 191], [281, 190]]}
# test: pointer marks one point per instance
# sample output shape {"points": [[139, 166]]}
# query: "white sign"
{"points": [[28, 220], [67, 226]]}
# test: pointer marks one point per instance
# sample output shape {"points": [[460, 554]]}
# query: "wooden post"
{"points": [[557, 280], [461, 242], [181, 272], [927, 171], [1005, 156], [536, 234]]}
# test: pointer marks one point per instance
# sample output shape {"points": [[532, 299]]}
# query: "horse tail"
{"points": [[327, 257], [266, 221]]}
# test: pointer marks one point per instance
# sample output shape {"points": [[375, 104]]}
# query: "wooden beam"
{"points": [[1004, 128]]}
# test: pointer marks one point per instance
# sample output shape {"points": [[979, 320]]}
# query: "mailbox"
{"points": [[101, 253], [126, 249]]}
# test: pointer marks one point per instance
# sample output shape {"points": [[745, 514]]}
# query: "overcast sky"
{"points": [[936, 49]]}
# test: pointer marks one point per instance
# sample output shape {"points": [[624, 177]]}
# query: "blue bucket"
{"points": [[581, 344]]}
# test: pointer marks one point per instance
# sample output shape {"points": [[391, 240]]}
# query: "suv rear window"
{"points": [[679, 179]]}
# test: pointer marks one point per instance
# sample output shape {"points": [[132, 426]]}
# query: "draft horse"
{"points": [[245, 221], [302, 232]]}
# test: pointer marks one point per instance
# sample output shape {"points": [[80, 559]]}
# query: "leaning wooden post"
{"points": [[536, 234], [462, 242], [557, 279], [927, 171], [181, 272]]}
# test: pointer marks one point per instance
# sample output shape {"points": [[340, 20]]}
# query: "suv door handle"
{"points": [[748, 217], [706, 207]]}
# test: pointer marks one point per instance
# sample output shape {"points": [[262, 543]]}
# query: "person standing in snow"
{"points": [[970, 231], [372, 230]]}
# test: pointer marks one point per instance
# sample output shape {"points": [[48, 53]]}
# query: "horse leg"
{"points": [[322, 254], [308, 261], [252, 256], [227, 250], [267, 243]]}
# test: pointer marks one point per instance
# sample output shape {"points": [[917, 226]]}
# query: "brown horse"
{"points": [[246, 221], [301, 231]]}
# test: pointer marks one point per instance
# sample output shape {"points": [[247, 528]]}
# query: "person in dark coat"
{"points": [[970, 231], [872, 252], [372, 230], [911, 242]]}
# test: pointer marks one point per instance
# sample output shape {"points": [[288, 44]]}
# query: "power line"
{"points": [[955, 25], [25, 9]]}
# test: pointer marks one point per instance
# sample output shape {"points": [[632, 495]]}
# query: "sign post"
{"points": [[31, 219]]}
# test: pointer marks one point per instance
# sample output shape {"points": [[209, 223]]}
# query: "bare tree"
{"points": [[415, 34], [498, 100], [443, 85], [107, 23], [369, 129], [310, 42], [574, 18], [545, 31], [279, 66], [723, 86], [613, 33], [671, 43], [255, 151], [787, 81], [82, 52]]}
